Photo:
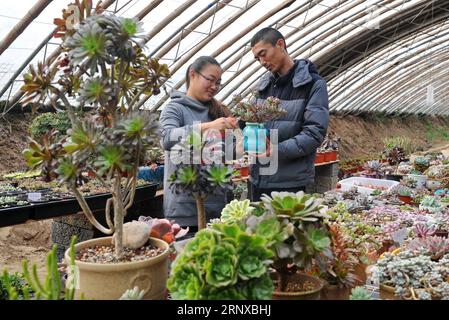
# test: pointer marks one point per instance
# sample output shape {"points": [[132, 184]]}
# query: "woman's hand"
{"points": [[220, 124]]}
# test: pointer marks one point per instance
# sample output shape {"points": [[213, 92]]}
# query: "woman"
{"points": [[203, 79]]}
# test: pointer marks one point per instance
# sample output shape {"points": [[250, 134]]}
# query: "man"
{"points": [[303, 93]]}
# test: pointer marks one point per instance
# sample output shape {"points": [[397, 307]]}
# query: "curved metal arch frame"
{"points": [[374, 83], [330, 52]]}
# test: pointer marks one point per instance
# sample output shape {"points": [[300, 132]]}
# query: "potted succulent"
{"points": [[255, 114], [330, 146], [395, 156], [339, 267], [400, 275], [404, 194], [319, 158], [373, 169], [105, 69], [200, 180], [222, 262], [293, 225]]}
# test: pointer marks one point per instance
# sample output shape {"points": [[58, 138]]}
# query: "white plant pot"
{"points": [[433, 184]]}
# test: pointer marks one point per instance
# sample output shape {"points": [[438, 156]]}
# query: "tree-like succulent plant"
{"points": [[222, 262], [199, 180], [100, 66]]}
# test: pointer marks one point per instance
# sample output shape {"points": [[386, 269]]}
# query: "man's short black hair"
{"points": [[268, 35]]}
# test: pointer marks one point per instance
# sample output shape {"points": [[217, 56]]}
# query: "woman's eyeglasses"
{"points": [[211, 80]]}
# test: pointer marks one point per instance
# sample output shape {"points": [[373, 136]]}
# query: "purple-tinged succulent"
{"points": [[433, 245], [424, 230]]}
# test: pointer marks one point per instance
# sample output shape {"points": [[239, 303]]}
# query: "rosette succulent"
{"points": [[223, 262], [236, 211]]}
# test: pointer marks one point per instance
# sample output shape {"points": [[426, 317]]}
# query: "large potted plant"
{"points": [[255, 114], [294, 228], [105, 69]]}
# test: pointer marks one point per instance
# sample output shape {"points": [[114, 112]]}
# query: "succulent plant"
{"points": [[360, 293], [105, 69], [395, 155], [421, 164], [133, 294], [253, 111], [339, 265], [223, 262], [404, 271], [299, 206], [430, 203], [373, 168], [424, 230], [293, 226], [330, 142], [435, 246], [199, 180], [401, 142], [236, 211]]}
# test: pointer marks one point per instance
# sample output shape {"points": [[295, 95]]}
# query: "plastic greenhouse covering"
{"points": [[377, 55]]}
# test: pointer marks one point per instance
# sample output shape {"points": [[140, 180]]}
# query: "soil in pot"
{"points": [[299, 287], [105, 254]]}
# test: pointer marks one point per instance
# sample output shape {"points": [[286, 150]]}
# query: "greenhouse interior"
{"points": [[224, 150]]}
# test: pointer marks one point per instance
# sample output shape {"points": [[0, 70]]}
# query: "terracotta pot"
{"points": [[307, 295], [110, 281], [334, 292], [319, 157], [244, 171], [360, 272], [387, 293], [406, 199], [333, 156], [328, 156]]}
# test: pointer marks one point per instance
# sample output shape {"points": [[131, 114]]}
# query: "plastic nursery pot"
{"points": [[244, 171], [328, 156], [319, 158], [333, 155]]}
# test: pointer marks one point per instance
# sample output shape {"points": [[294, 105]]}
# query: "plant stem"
{"points": [[201, 213], [119, 213]]}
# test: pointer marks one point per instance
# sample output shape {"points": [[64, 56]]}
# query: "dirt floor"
{"points": [[359, 137]]}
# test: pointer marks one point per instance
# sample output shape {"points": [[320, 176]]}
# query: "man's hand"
{"points": [[267, 153]]}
